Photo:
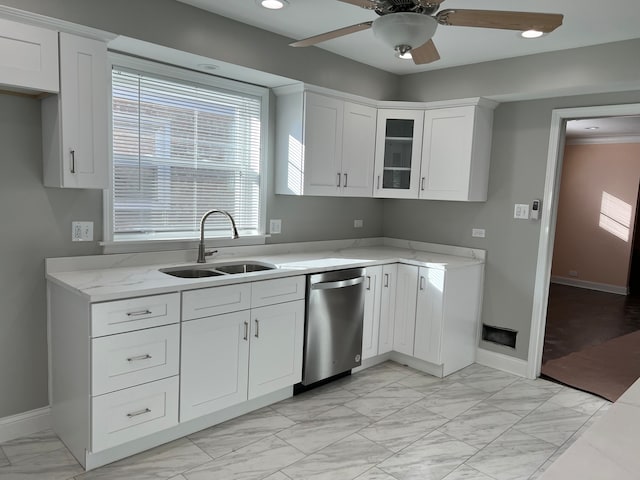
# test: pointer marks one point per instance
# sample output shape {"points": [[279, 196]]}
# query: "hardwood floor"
{"points": [[578, 318]]}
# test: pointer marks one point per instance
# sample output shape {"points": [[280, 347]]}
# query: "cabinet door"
{"points": [[28, 57], [387, 308], [84, 112], [371, 323], [358, 149], [323, 119], [275, 360], [447, 153], [405, 314], [428, 336], [398, 151], [214, 368]]}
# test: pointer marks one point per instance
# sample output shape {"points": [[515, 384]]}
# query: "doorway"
{"points": [[549, 218]]}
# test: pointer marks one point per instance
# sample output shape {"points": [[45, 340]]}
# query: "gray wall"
{"points": [[36, 223]]}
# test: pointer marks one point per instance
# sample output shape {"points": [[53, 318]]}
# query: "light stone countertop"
{"points": [[117, 281]]}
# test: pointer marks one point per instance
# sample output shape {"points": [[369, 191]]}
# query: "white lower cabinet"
{"points": [[371, 322], [275, 354], [405, 311], [215, 361], [235, 356], [126, 415], [387, 308]]}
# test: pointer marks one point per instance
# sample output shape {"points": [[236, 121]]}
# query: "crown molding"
{"points": [[35, 19]]}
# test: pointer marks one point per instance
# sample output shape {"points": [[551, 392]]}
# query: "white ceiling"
{"points": [[586, 22], [595, 128]]}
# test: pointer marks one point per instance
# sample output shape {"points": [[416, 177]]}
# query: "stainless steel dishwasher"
{"points": [[333, 330]]}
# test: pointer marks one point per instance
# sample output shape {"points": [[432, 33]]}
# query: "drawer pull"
{"points": [[139, 313], [137, 358], [422, 282], [138, 413], [246, 330], [386, 279], [368, 282], [257, 335]]}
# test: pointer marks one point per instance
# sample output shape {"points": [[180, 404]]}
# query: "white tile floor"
{"points": [[388, 422]]}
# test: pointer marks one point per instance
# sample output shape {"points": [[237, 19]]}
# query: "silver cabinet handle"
{"points": [[378, 184], [345, 180], [137, 358], [139, 313], [246, 330], [422, 282], [139, 412], [422, 183], [386, 279], [338, 180], [257, 328], [73, 161], [368, 282]]}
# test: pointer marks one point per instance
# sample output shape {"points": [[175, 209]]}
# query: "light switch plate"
{"points": [[521, 211], [358, 223], [478, 232], [275, 226], [81, 231]]}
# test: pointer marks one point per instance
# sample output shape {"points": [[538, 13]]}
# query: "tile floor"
{"points": [[388, 422]]}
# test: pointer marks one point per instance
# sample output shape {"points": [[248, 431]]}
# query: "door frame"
{"points": [[549, 212]]}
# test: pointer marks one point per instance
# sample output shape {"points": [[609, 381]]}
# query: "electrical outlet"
{"points": [[521, 211], [358, 224], [81, 231], [478, 232], [275, 226], [573, 273]]}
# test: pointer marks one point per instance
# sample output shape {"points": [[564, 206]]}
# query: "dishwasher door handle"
{"points": [[339, 284]]}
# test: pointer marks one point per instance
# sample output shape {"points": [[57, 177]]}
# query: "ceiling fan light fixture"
{"points": [[404, 52], [272, 4], [531, 34], [404, 30]]}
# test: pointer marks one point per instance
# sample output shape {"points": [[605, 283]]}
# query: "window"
{"points": [[181, 148]]}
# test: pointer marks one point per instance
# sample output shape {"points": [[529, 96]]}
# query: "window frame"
{"points": [[173, 73]]}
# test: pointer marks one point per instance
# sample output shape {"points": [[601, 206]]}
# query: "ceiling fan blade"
{"points": [[307, 42], [369, 4], [425, 53], [543, 22]]}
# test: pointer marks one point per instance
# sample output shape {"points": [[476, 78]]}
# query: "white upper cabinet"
{"points": [[324, 146], [397, 155], [28, 58], [455, 153], [75, 123]]}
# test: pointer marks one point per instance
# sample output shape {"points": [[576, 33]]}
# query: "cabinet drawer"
{"points": [[129, 359], [269, 292], [216, 300], [28, 57], [132, 413], [133, 314]]}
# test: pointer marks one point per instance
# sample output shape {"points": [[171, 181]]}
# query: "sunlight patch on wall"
{"points": [[615, 216], [295, 170]]}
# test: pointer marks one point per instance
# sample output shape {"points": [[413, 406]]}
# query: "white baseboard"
{"points": [[502, 362], [601, 287], [24, 424]]}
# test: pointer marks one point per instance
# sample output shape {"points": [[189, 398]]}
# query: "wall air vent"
{"points": [[499, 335]]}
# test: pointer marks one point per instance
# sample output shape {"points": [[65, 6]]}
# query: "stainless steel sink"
{"points": [[234, 268], [191, 272], [217, 269]]}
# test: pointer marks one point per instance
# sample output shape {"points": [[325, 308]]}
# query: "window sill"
{"points": [[139, 246]]}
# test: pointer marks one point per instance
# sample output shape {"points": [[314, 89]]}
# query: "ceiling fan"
{"points": [[408, 25]]}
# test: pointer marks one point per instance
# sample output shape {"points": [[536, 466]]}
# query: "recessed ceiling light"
{"points": [[592, 128], [532, 34], [272, 4]]}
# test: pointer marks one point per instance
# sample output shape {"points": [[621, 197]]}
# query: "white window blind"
{"points": [[180, 149]]}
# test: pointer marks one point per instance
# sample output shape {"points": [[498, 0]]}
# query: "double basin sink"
{"points": [[202, 270]]}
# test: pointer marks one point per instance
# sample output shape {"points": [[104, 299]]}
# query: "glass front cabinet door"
{"points": [[398, 152]]}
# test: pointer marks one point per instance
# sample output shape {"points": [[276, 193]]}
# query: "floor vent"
{"points": [[499, 335]]}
